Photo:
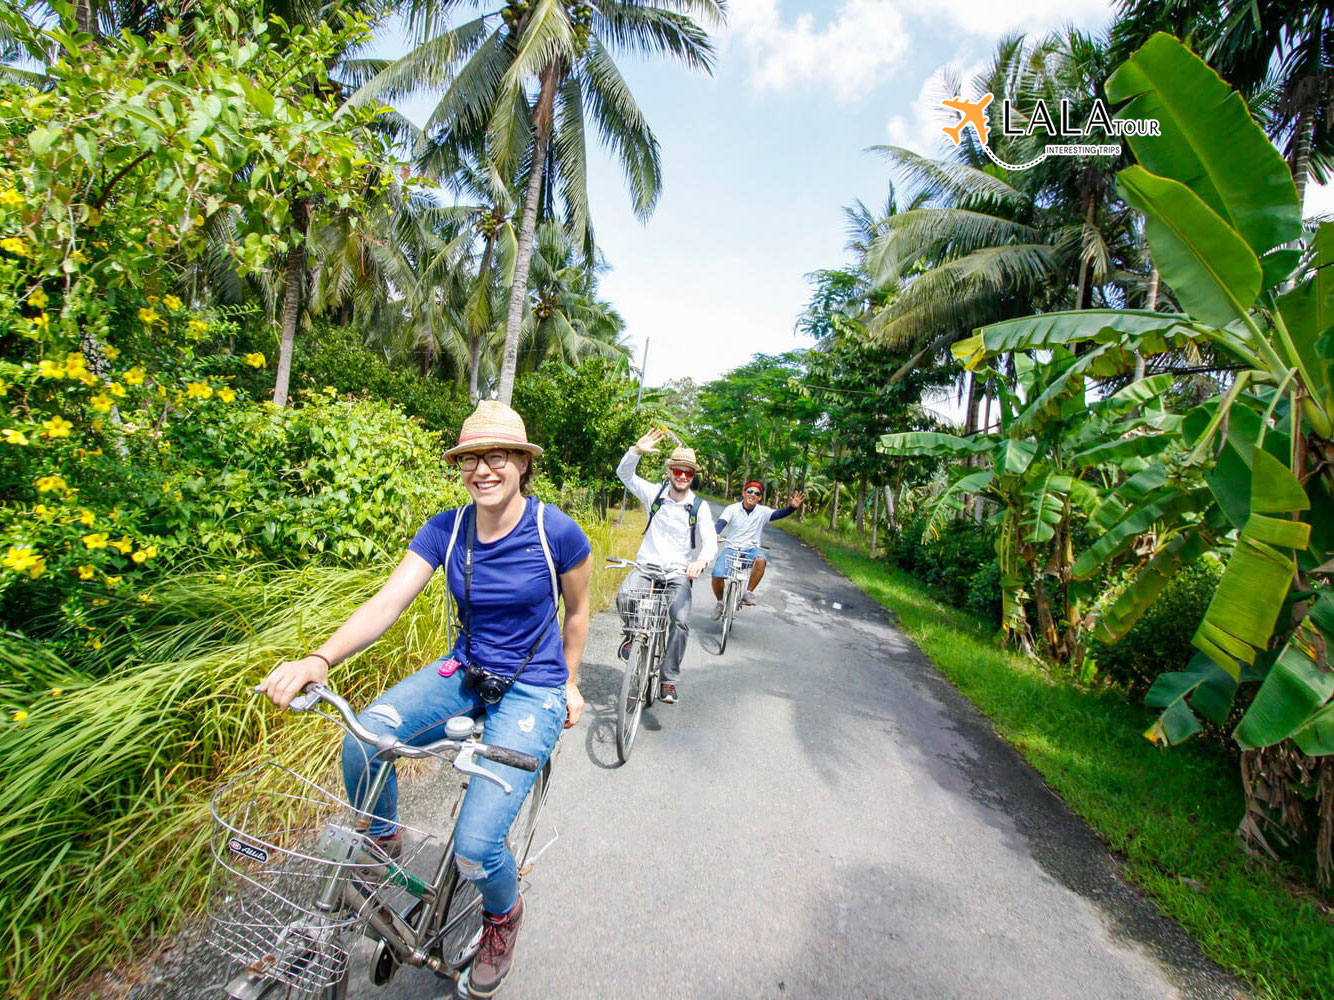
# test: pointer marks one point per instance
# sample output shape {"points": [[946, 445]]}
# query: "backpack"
{"points": [[656, 505]]}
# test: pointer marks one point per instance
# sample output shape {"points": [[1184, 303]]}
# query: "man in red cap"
{"points": [[740, 529]]}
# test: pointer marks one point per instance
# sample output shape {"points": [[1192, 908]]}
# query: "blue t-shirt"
{"points": [[511, 589]]}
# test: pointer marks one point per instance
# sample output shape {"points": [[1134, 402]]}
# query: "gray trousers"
{"points": [[678, 597]]}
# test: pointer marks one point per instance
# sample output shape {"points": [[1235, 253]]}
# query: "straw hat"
{"points": [[493, 425], [684, 456]]}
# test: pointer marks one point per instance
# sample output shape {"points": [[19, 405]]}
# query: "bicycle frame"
{"points": [[342, 892]]}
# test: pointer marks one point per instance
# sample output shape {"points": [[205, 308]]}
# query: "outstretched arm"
{"points": [[574, 590], [365, 625], [794, 505]]}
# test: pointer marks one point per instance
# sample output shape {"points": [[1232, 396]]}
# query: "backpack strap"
{"points": [[546, 551], [694, 516], [449, 551], [655, 506]]}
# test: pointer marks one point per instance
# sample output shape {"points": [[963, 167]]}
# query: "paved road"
{"points": [[820, 816]]}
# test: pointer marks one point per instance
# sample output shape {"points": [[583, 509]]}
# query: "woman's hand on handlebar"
{"points": [[286, 680]]}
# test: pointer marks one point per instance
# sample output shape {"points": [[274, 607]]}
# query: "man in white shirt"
{"points": [[680, 537], [742, 527]]}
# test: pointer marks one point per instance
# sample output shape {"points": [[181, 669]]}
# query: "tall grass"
{"points": [[104, 843]]}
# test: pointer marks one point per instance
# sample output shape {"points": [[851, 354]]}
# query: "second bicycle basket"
{"points": [[280, 843], [647, 610]]}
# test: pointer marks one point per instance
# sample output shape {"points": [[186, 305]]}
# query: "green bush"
{"points": [[959, 565], [1161, 639]]}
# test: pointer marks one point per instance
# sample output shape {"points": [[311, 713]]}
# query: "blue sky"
{"points": [[759, 159]]}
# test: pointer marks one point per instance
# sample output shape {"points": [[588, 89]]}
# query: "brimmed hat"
{"points": [[684, 456], [493, 425]]}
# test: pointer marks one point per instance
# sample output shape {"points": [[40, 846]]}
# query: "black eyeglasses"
{"points": [[493, 460]]}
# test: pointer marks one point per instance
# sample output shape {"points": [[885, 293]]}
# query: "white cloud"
{"points": [[1033, 17], [1319, 200], [858, 47], [919, 126]]}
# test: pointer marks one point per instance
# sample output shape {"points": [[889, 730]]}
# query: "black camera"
{"points": [[490, 687]]}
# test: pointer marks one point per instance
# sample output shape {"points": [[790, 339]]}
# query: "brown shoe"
{"points": [[495, 956]]}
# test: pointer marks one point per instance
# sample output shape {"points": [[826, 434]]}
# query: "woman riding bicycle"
{"points": [[506, 559]]}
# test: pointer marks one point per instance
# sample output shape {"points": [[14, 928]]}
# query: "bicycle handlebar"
{"points": [[647, 568], [314, 693]]}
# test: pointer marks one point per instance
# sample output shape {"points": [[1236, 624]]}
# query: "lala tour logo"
{"points": [[1041, 121]]}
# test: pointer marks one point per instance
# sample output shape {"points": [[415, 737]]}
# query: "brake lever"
{"points": [[464, 761]]}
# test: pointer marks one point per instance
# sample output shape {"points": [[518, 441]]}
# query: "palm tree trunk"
{"points": [[861, 508], [475, 336], [833, 509], [875, 519], [1301, 154], [519, 290], [296, 270]]}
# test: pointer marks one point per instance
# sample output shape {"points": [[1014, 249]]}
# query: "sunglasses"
{"points": [[682, 472], [752, 493], [493, 460]]}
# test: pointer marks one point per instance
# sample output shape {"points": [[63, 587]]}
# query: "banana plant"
{"points": [[1045, 470], [1223, 221]]}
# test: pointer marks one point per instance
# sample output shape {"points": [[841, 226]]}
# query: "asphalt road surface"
{"points": [[821, 815]]}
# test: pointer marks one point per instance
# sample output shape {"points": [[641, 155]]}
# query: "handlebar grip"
{"points": [[514, 758]]}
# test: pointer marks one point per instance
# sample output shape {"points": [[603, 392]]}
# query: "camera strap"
{"points": [[465, 612]]}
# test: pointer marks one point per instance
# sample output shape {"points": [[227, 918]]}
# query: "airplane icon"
{"points": [[971, 113]]}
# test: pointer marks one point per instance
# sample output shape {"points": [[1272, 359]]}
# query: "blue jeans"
{"points": [[528, 718], [723, 564], [678, 612]]}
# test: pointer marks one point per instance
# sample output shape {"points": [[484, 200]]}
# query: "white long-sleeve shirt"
{"points": [[667, 541]]}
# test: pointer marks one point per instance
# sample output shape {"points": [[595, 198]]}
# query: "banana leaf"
{"points": [[1141, 331], [1127, 495], [1214, 273], [1015, 455], [950, 502], [1137, 520], [1046, 506], [1209, 689], [932, 443], [1298, 684], [1209, 139], [1308, 314]]}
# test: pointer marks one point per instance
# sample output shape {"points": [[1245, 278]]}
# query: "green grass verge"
{"points": [[1170, 814]]}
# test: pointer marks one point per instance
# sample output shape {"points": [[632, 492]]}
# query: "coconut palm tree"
{"points": [[531, 75]]}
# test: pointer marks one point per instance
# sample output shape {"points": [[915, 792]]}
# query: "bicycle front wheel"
{"points": [[729, 613], [634, 687], [460, 913]]}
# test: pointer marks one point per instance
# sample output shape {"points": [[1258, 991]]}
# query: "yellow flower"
{"points": [[97, 541], [124, 544], [135, 376], [20, 558], [96, 643], [222, 577], [12, 436], [97, 424], [87, 572], [38, 299], [20, 716], [148, 317], [145, 553], [14, 245], [101, 403], [41, 323], [116, 389], [10, 198], [49, 483], [112, 581], [48, 369], [75, 366], [153, 300], [87, 517], [40, 510], [37, 568], [57, 692], [196, 329], [227, 395], [100, 602], [171, 302], [111, 352], [198, 390], [146, 599], [255, 360], [57, 427]]}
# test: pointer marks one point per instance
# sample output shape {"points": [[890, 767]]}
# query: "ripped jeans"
{"points": [[527, 718]]}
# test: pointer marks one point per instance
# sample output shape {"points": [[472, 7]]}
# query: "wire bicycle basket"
{"points": [[279, 842], [647, 611]]}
